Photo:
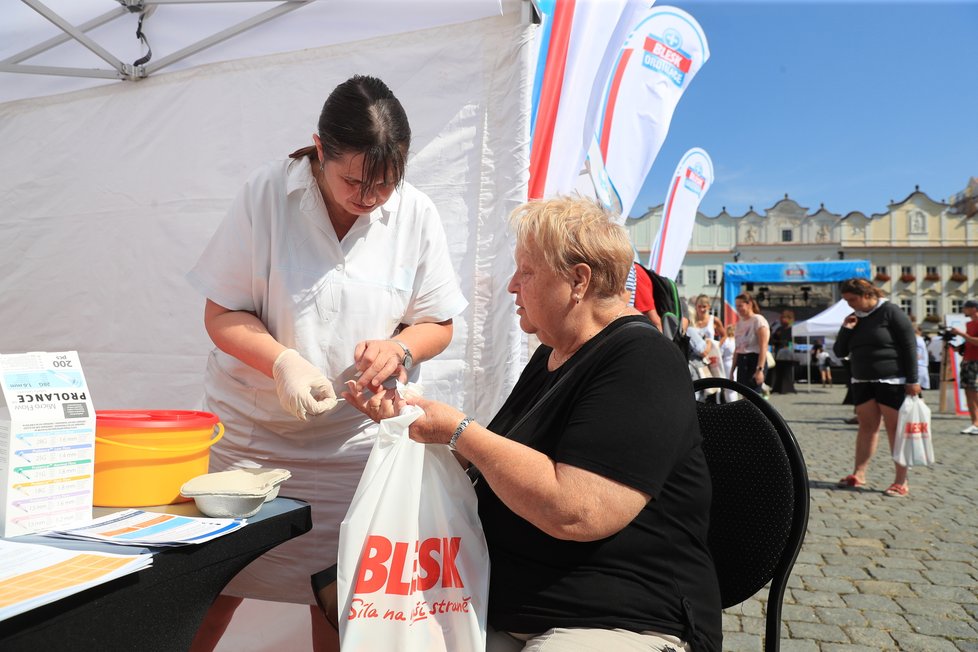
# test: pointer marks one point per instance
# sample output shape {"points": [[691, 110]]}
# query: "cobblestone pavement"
{"points": [[876, 573]]}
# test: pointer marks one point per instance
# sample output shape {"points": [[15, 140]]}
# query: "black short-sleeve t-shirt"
{"points": [[627, 413]]}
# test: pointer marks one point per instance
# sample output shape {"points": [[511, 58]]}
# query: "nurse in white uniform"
{"points": [[327, 268]]}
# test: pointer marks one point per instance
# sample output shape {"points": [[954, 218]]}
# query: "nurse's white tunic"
{"points": [[276, 255]]}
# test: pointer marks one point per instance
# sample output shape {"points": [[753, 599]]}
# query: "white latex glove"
{"points": [[301, 387]]}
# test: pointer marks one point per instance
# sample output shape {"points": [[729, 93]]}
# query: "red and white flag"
{"points": [[579, 43], [692, 178], [658, 61]]}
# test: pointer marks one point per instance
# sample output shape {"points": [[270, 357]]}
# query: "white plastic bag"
{"points": [[913, 445], [413, 567]]}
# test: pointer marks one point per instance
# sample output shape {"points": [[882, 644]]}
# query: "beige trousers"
{"points": [[584, 640]]}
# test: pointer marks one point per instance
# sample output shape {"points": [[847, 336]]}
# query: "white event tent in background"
{"points": [[825, 324]]}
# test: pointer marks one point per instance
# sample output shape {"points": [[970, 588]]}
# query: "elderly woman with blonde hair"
{"points": [[594, 491]]}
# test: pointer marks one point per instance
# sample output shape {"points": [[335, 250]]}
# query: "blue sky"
{"points": [[850, 104]]}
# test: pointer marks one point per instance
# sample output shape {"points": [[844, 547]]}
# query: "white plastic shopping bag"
{"points": [[913, 445], [413, 568]]}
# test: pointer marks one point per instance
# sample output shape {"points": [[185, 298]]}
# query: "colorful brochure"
{"points": [[134, 527], [32, 575]]}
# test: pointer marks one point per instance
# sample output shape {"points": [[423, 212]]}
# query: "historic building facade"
{"points": [[924, 253]]}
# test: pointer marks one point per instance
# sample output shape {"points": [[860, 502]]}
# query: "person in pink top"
{"points": [[751, 336]]}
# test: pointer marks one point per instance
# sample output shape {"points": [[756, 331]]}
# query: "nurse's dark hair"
{"points": [[362, 116]]}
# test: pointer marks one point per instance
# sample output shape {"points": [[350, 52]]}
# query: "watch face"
{"points": [[408, 360]]}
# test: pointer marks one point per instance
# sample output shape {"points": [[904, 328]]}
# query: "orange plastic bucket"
{"points": [[143, 457]]}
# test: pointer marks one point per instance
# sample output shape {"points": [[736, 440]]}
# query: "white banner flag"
{"points": [[692, 178], [658, 61], [579, 43]]}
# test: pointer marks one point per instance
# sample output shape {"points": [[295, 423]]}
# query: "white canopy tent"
{"points": [[112, 188], [55, 46], [111, 192], [825, 324]]}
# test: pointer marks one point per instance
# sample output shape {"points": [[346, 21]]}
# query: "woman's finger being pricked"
{"points": [[354, 396]]}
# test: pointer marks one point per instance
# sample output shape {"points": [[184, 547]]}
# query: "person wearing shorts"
{"points": [[879, 340]]}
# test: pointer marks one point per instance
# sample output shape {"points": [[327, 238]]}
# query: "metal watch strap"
{"points": [[408, 360]]}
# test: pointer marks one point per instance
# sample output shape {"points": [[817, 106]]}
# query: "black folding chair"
{"points": [[760, 498]]}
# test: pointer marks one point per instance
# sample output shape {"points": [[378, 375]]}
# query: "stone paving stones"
{"points": [[876, 573]]}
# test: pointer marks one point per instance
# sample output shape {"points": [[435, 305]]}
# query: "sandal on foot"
{"points": [[896, 491], [850, 481]]}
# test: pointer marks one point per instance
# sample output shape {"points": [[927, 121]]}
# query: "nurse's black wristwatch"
{"points": [[408, 360]]}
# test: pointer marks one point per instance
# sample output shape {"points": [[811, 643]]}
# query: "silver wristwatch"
{"points": [[408, 360]]}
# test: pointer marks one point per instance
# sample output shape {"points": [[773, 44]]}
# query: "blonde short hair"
{"points": [[572, 230]]}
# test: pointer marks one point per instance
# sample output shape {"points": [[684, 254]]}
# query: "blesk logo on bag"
{"points": [[917, 428], [663, 54], [382, 570]]}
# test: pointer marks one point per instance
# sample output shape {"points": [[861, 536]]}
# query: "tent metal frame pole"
{"points": [[63, 37], [75, 33], [61, 72], [121, 70], [284, 8], [808, 352]]}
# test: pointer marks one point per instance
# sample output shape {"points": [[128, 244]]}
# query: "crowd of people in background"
{"points": [[885, 352], [749, 351]]}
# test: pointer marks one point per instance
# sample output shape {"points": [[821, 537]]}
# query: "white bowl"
{"points": [[239, 493], [229, 505]]}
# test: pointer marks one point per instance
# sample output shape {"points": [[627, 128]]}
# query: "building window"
{"points": [[931, 270], [957, 269], [930, 307], [906, 305], [711, 277], [786, 235], [905, 270], [957, 305], [881, 270], [679, 277]]}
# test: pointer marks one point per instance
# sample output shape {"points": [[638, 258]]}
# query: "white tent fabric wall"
{"points": [[110, 194], [173, 27], [825, 324]]}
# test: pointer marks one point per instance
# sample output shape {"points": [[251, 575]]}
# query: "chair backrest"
{"points": [[759, 512]]}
